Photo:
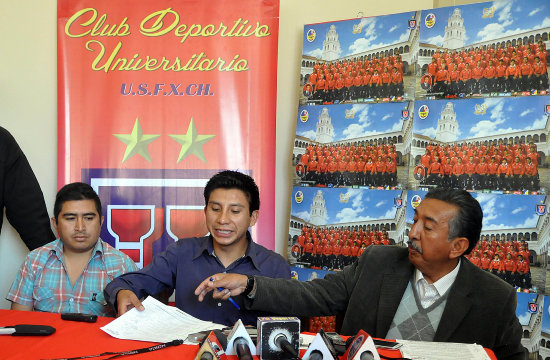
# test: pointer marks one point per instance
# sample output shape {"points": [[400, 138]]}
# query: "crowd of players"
{"points": [[509, 260], [335, 247], [344, 80], [497, 69], [513, 166], [350, 164], [327, 323]]}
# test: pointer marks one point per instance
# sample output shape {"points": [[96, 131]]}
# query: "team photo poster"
{"points": [[487, 49], [359, 145], [393, 106], [486, 144]]}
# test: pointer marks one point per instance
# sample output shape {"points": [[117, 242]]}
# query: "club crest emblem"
{"points": [[429, 21], [311, 34]]}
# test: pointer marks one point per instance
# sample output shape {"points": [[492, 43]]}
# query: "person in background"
{"points": [[68, 274], [20, 195]]}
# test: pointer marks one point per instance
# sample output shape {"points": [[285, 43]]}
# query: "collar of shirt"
{"points": [[208, 247], [57, 249], [442, 285]]}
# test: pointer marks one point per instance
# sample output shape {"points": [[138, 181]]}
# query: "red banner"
{"points": [[157, 96]]}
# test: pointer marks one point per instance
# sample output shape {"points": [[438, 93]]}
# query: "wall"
{"points": [[28, 95]]}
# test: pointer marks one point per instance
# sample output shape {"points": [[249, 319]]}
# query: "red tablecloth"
{"points": [[73, 339]]}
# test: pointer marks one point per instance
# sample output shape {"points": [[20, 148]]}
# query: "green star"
{"points": [[191, 143], [137, 142]]}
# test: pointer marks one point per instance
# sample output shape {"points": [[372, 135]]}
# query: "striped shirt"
{"points": [[43, 283]]}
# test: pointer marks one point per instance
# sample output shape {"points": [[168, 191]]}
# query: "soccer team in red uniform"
{"points": [[496, 69], [509, 260], [327, 323], [350, 164], [494, 166], [342, 80], [335, 247]]}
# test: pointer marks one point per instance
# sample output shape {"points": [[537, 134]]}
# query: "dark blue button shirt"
{"points": [[185, 264]]}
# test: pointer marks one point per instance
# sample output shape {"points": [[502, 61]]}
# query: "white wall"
{"points": [[28, 107], [28, 95]]}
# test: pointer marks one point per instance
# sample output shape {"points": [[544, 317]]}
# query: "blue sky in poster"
{"points": [[363, 204], [510, 17], [368, 119], [499, 211], [522, 308], [377, 31], [502, 116]]}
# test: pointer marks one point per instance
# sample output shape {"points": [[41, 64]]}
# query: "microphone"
{"points": [[212, 346], [316, 355], [366, 355], [282, 343], [361, 348], [239, 342], [278, 338], [321, 348], [242, 349]]}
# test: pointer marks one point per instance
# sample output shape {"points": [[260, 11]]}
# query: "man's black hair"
{"points": [[229, 179], [469, 218], [75, 191]]}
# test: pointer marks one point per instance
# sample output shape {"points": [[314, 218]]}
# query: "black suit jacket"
{"points": [[21, 196], [481, 308]]}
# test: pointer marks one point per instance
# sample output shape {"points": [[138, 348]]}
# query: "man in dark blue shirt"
{"points": [[232, 205]]}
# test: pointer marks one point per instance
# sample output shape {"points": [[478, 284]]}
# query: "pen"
{"points": [[230, 299]]}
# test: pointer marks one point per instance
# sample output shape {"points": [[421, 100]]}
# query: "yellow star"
{"points": [[137, 142], [191, 143]]}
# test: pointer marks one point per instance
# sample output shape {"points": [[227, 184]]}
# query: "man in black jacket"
{"points": [[21, 196], [428, 291]]}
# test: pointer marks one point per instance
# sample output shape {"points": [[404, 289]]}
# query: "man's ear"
{"points": [[458, 246], [54, 223], [253, 218]]}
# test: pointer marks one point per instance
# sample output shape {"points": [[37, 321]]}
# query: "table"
{"points": [[73, 339]]}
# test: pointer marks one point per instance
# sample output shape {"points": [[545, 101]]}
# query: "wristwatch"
{"points": [[249, 285]]}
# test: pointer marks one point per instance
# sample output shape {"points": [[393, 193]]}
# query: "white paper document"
{"points": [[425, 350], [157, 323]]}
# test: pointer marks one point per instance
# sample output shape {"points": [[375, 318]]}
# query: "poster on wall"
{"points": [[486, 144], [330, 228], [359, 60], [474, 91], [485, 49], [153, 101], [533, 315], [355, 145]]}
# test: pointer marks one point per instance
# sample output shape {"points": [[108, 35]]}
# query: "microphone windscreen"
{"points": [[366, 355], [242, 349], [316, 355], [282, 342]]}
